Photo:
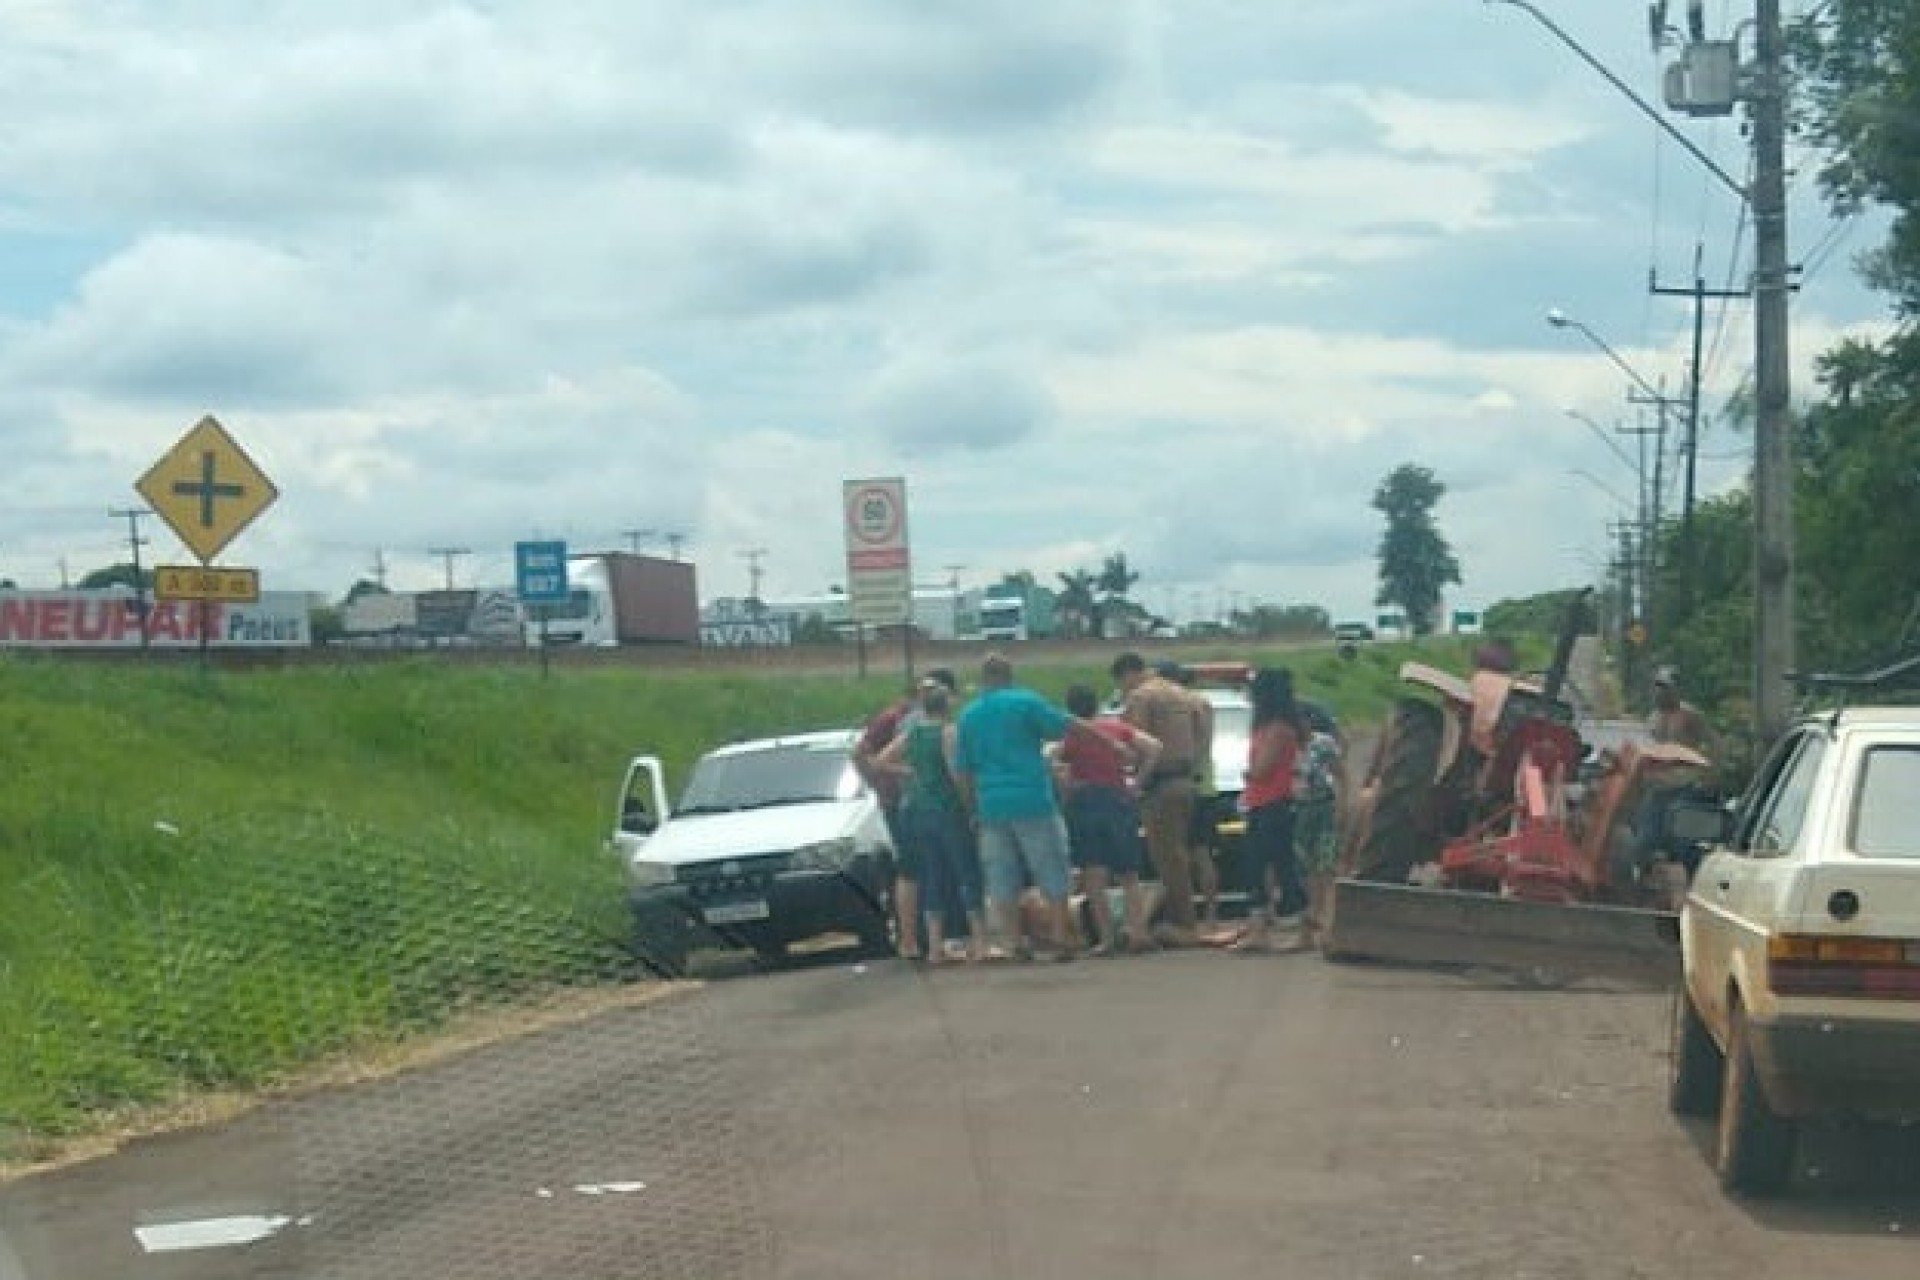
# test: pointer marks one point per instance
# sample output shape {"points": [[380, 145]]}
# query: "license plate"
{"points": [[737, 912]]}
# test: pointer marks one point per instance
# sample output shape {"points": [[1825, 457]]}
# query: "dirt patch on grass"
{"points": [[464, 1033]]}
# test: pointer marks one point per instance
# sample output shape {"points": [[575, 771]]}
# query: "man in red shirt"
{"points": [[1103, 817]]}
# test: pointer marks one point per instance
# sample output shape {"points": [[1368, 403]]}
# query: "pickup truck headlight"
{"points": [[827, 855], [647, 875]]}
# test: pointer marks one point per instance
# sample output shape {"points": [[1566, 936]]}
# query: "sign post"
{"points": [[879, 565], [540, 580], [207, 490]]}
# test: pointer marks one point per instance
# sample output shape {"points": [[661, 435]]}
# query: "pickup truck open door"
{"points": [[643, 806]]}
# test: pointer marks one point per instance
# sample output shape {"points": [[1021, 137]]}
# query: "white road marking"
{"points": [[214, 1233], [609, 1188]]}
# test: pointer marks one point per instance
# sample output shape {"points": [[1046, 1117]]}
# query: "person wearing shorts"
{"points": [[1103, 819], [934, 824], [1001, 765]]}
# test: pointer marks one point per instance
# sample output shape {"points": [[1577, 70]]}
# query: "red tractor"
{"points": [[1488, 832]]}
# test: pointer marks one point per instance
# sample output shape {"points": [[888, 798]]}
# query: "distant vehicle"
{"points": [[617, 598], [1352, 632], [1003, 617], [1013, 613], [774, 841], [1801, 945]]}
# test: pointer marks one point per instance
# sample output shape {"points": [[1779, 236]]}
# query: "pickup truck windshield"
{"points": [[777, 775], [1885, 822]]}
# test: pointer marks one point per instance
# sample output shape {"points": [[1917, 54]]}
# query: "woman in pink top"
{"points": [[1272, 756]]}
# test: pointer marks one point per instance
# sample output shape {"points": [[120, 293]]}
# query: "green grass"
{"points": [[212, 880]]}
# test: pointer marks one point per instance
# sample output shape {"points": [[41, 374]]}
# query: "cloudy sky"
{"points": [[1183, 278]]}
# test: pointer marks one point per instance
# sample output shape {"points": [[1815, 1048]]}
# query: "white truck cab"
{"points": [[774, 841]]}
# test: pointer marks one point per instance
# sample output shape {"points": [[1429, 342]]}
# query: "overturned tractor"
{"points": [[1489, 833]]}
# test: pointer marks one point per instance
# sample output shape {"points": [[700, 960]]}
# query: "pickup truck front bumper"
{"points": [[764, 914]]}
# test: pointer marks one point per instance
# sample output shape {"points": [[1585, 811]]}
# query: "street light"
{"points": [[1561, 320]]}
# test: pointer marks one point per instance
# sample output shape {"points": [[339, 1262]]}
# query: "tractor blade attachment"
{"points": [[1541, 941]]}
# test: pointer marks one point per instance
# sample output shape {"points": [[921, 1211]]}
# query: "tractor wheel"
{"points": [[1395, 838]]}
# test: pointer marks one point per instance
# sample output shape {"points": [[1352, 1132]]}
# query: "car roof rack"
{"points": [[1903, 675]]}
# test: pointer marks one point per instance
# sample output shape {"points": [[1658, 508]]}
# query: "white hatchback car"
{"points": [[1801, 942]]}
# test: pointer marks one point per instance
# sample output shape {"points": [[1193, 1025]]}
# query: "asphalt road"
{"points": [[1196, 1114]]}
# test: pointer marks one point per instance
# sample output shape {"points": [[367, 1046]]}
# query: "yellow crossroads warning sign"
{"points": [[192, 582], [207, 489]]}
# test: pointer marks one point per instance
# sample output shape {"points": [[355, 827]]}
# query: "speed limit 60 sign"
{"points": [[879, 577]]}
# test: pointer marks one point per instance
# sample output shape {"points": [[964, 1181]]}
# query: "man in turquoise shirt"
{"points": [[1007, 785]]}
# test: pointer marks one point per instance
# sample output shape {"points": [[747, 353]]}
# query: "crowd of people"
{"points": [[1023, 827]]}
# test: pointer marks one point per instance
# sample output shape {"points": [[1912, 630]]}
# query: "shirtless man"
{"points": [[1674, 720]]}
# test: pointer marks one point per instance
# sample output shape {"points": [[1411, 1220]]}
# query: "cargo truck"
{"points": [[618, 598]]}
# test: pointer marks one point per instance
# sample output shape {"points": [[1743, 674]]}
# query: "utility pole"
{"points": [[380, 567], [674, 540], [447, 556], [1708, 79], [635, 537], [1773, 437], [753, 556], [1647, 519], [1699, 293], [1653, 518], [953, 576], [1629, 608], [1660, 404], [133, 516]]}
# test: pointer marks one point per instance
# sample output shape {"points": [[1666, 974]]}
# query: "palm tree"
{"points": [[1078, 602], [1115, 580]]}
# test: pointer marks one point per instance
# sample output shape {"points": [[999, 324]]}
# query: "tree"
{"points": [[1416, 564], [117, 575], [364, 587], [1116, 578], [815, 629], [1269, 621], [327, 623], [1858, 65], [1079, 606], [1539, 615]]}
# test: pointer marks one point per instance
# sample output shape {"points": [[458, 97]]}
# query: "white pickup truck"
{"points": [[774, 841], [1801, 942]]}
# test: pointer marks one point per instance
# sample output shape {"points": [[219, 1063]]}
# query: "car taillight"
{"points": [[1873, 968]]}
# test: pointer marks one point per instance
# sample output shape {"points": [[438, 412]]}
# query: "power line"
{"points": [[753, 556], [1712, 363], [1838, 233], [133, 516], [447, 556]]}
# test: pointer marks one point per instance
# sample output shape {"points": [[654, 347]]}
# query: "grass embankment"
{"points": [[211, 881]]}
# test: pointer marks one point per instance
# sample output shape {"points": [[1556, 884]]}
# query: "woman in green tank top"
{"points": [[935, 823]]}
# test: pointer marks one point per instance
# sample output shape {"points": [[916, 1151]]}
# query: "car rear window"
{"points": [[1886, 822]]}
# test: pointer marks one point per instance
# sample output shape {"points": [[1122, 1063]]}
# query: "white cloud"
{"points": [[1176, 277]]}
